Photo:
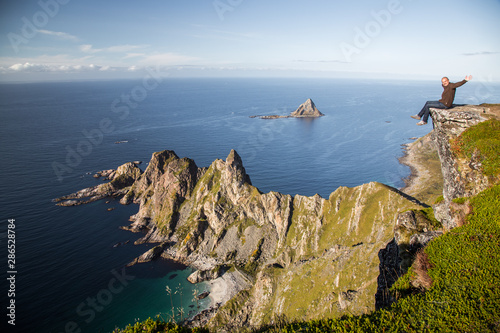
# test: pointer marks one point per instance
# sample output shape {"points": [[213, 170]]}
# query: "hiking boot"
{"points": [[420, 123], [415, 117]]}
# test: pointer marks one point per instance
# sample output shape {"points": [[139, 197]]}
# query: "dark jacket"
{"points": [[449, 93]]}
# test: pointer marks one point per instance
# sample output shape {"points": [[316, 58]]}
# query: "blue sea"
{"points": [[70, 262]]}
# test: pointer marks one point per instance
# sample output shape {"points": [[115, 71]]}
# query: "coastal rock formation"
{"points": [[307, 109], [436, 169], [119, 182], [160, 191], [260, 252], [216, 221], [461, 177]]}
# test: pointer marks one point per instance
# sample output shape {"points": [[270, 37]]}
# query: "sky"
{"points": [[47, 40]]}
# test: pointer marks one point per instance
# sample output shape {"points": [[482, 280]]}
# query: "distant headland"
{"points": [[305, 110]]}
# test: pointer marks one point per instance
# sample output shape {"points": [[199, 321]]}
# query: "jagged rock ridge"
{"points": [[211, 218]]}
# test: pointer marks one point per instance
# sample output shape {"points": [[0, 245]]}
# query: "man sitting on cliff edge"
{"points": [[445, 102]]}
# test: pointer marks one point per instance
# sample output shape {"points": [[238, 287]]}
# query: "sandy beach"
{"points": [[226, 287], [425, 182], [220, 290]]}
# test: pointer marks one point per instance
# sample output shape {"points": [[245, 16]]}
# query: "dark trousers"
{"points": [[430, 104]]}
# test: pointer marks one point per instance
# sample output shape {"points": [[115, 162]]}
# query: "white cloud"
{"points": [[61, 68], [95, 60], [27, 67], [58, 34], [58, 59], [88, 48], [480, 53]]}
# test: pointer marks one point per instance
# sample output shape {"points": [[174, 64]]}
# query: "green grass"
{"points": [[484, 140], [158, 326]]}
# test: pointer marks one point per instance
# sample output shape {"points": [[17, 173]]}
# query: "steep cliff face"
{"points": [[452, 175], [329, 263], [160, 191], [462, 177]]}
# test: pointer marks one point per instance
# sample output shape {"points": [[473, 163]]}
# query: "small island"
{"points": [[305, 110]]}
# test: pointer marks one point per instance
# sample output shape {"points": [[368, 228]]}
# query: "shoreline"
{"points": [[226, 287], [221, 290], [408, 159], [425, 181]]}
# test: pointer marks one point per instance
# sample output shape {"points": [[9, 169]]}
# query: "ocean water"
{"points": [[70, 261]]}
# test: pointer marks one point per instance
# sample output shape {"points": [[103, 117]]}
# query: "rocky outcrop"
{"points": [[209, 274], [119, 182], [160, 191], [461, 178], [305, 110], [412, 231], [150, 255]]}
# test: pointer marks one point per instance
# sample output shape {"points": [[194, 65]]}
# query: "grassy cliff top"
{"points": [[493, 110]]}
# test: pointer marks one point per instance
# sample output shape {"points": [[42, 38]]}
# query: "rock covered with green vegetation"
{"points": [[464, 173], [328, 265], [160, 191], [452, 286]]}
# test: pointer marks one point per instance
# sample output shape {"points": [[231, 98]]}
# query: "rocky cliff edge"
{"points": [[462, 177]]}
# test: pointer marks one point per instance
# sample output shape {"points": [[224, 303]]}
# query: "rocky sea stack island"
{"points": [[271, 255], [305, 110]]}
